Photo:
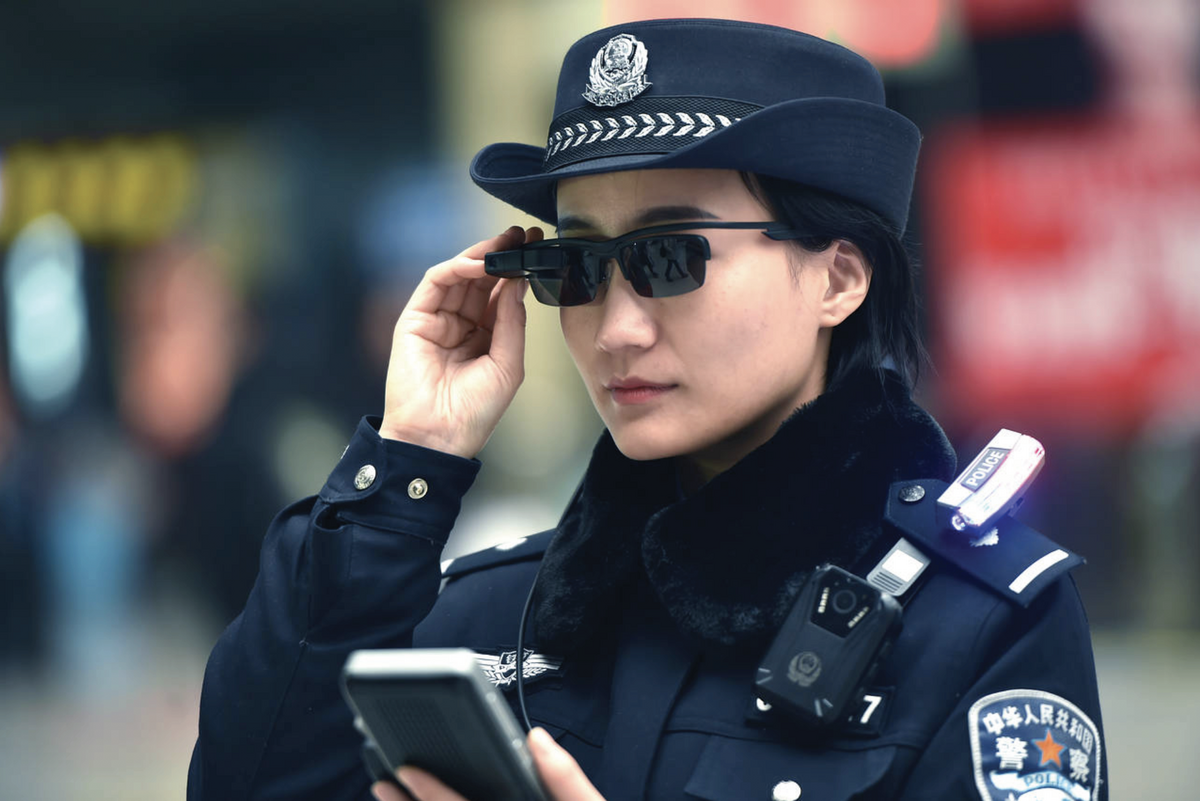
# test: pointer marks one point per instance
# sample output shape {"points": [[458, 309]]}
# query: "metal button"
{"points": [[417, 489], [762, 705], [912, 493], [785, 791], [365, 477]]}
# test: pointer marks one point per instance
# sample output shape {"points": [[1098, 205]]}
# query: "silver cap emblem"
{"points": [[618, 72]]}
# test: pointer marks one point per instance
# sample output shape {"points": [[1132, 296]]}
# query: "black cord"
{"points": [[521, 657], [525, 617]]}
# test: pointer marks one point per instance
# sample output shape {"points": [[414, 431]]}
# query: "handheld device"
{"points": [[434, 709], [838, 630], [993, 485]]}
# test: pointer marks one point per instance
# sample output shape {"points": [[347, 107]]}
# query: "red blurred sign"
{"points": [[1065, 270], [1000, 16]]}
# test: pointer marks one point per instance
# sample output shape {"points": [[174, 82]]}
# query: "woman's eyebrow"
{"points": [[666, 214], [651, 216]]}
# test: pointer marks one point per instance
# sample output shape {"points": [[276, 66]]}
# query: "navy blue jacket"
{"points": [[660, 608]]}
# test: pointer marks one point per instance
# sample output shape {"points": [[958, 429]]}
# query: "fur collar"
{"points": [[728, 561]]}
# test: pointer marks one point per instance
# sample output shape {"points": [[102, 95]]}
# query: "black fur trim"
{"points": [[728, 561]]}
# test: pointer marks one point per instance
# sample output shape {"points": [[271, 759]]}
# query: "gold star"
{"points": [[1049, 749]]}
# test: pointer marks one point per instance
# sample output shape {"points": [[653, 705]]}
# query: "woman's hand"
{"points": [[458, 352], [560, 774]]}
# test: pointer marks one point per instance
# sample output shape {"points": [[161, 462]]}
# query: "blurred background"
{"points": [[212, 213]]}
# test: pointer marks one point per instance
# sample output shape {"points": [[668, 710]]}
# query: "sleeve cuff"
{"points": [[398, 486]]}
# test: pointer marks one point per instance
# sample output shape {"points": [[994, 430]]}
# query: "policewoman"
{"points": [[728, 200]]}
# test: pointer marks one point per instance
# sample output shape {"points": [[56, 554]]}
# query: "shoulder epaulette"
{"points": [[1012, 559], [518, 550]]}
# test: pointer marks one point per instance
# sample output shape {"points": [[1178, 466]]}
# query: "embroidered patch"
{"points": [[501, 667], [1032, 745]]}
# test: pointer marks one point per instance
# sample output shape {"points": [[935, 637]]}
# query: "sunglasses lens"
{"points": [[657, 267], [660, 267], [562, 276]]}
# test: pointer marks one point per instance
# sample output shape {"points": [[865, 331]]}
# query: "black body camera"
{"points": [[827, 648]]}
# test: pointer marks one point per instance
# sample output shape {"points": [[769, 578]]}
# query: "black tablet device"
{"points": [[433, 708]]}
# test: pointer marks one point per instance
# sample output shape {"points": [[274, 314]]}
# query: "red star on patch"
{"points": [[1049, 749]]}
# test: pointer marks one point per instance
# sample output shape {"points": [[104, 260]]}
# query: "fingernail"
{"points": [[410, 778], [540, 738], [384, 791]]}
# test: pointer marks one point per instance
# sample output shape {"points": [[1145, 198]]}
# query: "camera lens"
{"points": [[844, 601]]}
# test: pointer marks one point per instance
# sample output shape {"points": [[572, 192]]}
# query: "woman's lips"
{"points": [[635, 390]]}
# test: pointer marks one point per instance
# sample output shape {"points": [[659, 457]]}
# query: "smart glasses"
{"points": [[658, 262]]}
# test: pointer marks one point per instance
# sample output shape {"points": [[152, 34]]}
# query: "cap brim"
{"points": [[862, 151]]}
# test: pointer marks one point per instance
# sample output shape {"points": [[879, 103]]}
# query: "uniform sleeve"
{"points": [[354, 567], [1031, 720]]}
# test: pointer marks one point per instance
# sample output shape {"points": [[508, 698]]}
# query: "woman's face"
{"points": [[711, 374]]}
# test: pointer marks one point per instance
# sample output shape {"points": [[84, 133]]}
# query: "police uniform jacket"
{"points": [[652, 612]]}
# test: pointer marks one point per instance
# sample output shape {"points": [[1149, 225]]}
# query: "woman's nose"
{"points": [[626, 320]]}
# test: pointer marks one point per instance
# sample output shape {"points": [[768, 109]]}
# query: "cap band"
{"points": [[644, 125]]}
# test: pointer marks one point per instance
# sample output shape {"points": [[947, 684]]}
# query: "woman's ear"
{"points": [[849, 278]]}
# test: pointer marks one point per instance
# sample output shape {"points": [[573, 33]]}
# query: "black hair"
{"points": [[885, 331]]}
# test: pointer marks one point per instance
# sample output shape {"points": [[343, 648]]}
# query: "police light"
{"points": [[994, 484]]}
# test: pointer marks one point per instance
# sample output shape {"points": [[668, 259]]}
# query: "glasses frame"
{"points": [[521, 262]]}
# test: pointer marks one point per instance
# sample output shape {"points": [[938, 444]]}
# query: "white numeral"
{"points": [[873, 702]]}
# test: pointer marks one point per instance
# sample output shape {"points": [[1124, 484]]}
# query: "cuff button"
{"points": [[417, 489], [365, 477]]}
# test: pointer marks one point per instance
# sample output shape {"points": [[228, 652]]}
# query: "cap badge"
{"points": [[618, 72]]}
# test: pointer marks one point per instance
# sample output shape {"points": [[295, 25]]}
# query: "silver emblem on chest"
{"points": [[618, 72], [501, 669]]}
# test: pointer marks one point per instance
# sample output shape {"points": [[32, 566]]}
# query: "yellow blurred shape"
{"points": [[117, 191]]}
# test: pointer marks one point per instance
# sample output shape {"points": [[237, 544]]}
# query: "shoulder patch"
{"points": [[1012, 559], [1031, 744], [518, 550]]}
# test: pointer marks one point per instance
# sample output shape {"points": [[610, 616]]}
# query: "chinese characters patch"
{"points": [[1029, 744]]}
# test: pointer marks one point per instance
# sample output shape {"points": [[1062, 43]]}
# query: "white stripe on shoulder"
{"points": [[1036, 569]]}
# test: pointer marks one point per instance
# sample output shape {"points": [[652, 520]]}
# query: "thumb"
{"points": [[561, 774]]}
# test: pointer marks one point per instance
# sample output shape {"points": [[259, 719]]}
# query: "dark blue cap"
{"points": [[716, 94]]}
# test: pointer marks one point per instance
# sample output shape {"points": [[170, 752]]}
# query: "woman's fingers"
{"points": [[476, 301], [560, 773], [434, 292], [445, 285], [425, 786], [515, 235], [458, 353], [388, 792], [460, 286], [506, 319]]}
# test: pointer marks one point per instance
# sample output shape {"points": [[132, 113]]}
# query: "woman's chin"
{"points": [[642, 447], [643, 444]]}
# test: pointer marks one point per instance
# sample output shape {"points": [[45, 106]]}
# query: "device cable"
{"points": [[521, 656]]}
